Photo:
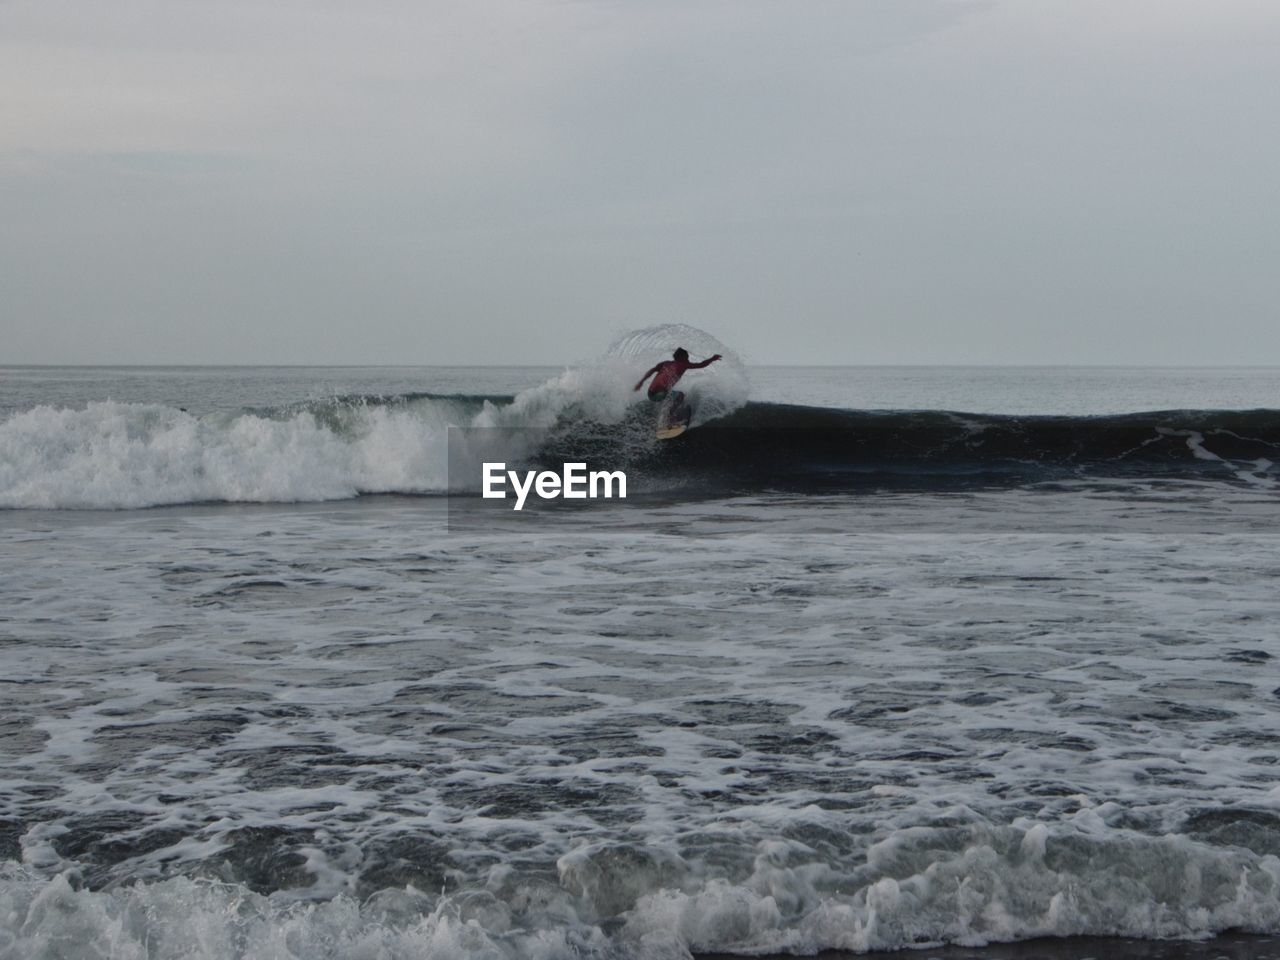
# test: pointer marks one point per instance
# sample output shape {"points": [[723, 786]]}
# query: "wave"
{"points": [[115, 455], [817, 447], [963, 883]]}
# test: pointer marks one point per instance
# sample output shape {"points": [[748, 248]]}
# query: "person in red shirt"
{"points": [[668, 373]]}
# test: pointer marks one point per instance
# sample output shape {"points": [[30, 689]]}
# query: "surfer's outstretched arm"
{"points": [[705, 363], [646, 377]]}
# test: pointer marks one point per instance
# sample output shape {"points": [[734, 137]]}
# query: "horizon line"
{"points": [[552, 366]]}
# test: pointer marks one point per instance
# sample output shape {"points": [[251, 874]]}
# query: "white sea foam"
{"points": [[916, 887], [974, 887], [628, 746], [136, 455]]}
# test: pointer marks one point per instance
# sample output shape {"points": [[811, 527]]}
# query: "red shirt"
{"points": [[668, 375]]}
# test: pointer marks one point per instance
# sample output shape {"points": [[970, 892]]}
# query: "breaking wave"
{"points": [[114, 455], [965, 884], [123, 455]]}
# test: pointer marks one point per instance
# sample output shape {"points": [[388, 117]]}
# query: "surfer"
{"points": [[669, 373]]}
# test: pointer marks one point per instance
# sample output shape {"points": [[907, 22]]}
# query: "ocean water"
{"points": [[869, 659]]}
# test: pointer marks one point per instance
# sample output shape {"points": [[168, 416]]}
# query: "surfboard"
{"points": [[667, 433]]}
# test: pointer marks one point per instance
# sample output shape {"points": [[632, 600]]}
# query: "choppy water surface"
{"points": [[726, 722]]}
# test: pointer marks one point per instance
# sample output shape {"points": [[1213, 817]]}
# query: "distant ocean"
{"points": [[870, 658]]}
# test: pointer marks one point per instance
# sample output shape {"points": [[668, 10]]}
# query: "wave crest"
{"points": [[918, 886], [116, 455]]}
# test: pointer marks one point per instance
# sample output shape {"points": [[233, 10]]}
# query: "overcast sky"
{"points": [[516, 181]]}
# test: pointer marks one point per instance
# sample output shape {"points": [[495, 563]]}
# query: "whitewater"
{"points": [[987, 668]]}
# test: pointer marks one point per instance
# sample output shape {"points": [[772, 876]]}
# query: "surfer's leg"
{"points": [[674, 410]]}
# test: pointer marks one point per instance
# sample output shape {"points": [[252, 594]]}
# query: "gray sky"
{"points": [[516, 181]]}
